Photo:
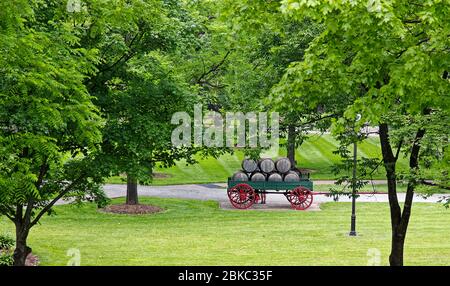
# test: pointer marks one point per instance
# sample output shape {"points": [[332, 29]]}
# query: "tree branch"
{"points": [[19, 213], [413, 164], [412, 21], [30, 204], [213, 68], [8, 212], [389, 165], [59, 196], [313, 120], [399, 147], [428, 183], [127, 55]]}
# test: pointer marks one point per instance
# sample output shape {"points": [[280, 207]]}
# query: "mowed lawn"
{"points": [[199, 233], [315, 154]]}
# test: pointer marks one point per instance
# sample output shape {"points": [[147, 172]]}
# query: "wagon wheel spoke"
{"points": [[242, 196], [301, 198], [233, 195]]}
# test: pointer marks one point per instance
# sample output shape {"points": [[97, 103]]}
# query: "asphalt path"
{"points": [[217, 192]]}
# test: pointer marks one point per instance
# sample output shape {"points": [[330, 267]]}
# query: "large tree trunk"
{"points": [[397, 246], [400, 233], [132, 193], [291, 144], [22, 250], [389, 160], [399, 219]]}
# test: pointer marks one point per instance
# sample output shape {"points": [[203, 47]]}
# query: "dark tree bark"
{"points": [[23, 218], [291, 144], [22, 250], [399, 219], [22, 223], [132, 193], [389, 160]]}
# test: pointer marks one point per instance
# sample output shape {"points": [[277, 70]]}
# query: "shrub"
{"points": [[6, 242], [6, 258], [6, 250]]}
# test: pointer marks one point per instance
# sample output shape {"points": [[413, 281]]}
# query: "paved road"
{"points": [[217, 192]]}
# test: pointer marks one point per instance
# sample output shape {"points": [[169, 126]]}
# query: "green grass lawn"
{"points": [[315, 154], [199, 233]]}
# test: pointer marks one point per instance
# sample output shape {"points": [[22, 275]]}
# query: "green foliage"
{"points": [[6, 258], [87, 93], [49, 126], [251, 44], [6, 254], [144, 76], [6, 241], [388, 64], [386, 55]]}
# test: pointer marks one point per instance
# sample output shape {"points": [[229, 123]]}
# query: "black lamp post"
{"points": [[355, 153], [353, 219]]}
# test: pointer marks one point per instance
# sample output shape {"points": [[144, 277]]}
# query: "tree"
{"points": [[389, 62], [71, 74], [49, 128], [142, 80], [137, 134]]}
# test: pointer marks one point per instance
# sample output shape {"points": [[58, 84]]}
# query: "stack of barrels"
{"points": [[267, 170]]}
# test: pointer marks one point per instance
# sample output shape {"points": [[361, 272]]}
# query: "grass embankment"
{"points": [[315, 154]]}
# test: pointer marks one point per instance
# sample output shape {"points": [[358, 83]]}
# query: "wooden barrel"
{"points": [[240, 177], [257, 177], [249, 165], [275, 177], [283, 165], [291, 176], [267, 165]]}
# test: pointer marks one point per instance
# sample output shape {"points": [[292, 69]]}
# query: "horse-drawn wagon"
{"points": [[243, 195], [251, 185]]}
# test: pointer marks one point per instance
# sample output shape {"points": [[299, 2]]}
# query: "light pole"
{"points": [[355, 153], [353, 219]]}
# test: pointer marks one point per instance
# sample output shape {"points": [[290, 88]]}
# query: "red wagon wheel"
{"points": [[242, 196], [300, 198], [287, 194]]}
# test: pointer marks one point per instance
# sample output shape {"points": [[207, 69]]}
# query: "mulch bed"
{"points": [[131, 209], [32, 260]]}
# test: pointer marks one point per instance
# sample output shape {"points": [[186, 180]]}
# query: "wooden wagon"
{"points": [[243, 195]]}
